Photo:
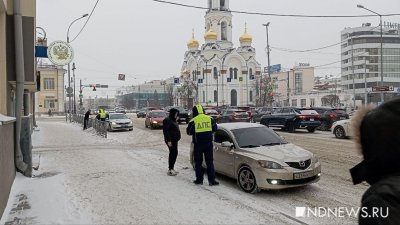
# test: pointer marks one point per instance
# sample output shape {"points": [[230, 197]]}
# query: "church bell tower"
{"points": [[219, 19]]}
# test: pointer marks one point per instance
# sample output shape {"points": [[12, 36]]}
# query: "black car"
{"points": [[329, 116], [183, 113], [257, 114], [291, 118], [141, 113]]}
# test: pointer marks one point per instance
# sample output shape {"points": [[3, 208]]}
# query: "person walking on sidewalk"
{"points": [[172, 135], [86, 119], [201, 127]]}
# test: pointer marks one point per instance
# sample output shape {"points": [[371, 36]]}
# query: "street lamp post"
{"points": [[73, 75], [207, 60], [247, 81], [268, 58], [69, 67], [352, 74], [380, 19]]}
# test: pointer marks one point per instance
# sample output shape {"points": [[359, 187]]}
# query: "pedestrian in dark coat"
{"points": [[172, 135], [86, 119], [377, 132], [202, 127]]}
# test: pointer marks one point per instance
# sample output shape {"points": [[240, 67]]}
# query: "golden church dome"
{"points": [[211, 35], [246, 38], [193, 43]]}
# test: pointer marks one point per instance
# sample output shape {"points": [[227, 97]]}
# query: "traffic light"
{"points": [[93, 86]]}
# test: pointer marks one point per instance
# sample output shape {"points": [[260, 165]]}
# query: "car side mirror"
{"points": [[227, 144]]}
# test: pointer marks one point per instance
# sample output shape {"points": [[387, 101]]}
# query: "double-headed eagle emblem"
{"points": [[61, 52]]}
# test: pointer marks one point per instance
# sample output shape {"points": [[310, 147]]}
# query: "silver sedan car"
{"points": [[260, 159], [119, 121]]}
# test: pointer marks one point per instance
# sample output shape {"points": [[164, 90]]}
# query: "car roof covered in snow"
{"points": [[234, 126]]}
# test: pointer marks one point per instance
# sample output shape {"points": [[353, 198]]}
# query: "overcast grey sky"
{"points": [[146, 40]]}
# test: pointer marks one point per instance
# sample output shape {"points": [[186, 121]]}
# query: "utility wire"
{"points": [[275, 14], [293, 51], [316, 49], [84, 25]]}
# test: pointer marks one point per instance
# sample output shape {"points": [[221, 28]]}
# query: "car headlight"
{"points": [[130, 123], [154, 121], [314, 159], [113, 123], [270, 164]]}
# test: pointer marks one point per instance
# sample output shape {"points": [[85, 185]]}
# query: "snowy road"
{"points": [[123, 179]]}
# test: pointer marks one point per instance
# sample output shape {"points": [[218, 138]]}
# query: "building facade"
{"points": [[156, 93], [217, 73], [8, 69], [296, 81], [361, 61], [51, 94]]}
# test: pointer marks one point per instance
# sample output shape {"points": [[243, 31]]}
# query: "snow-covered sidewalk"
{"points": [[85, 179]]}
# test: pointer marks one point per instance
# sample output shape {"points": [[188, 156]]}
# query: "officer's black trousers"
{"points": [[207, 150]]}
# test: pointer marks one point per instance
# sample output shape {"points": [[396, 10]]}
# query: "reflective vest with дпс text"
{"points": [[202, 123]]}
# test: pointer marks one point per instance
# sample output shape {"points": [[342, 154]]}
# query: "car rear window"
{"points": [[306, 111], [211, 111], [341, 111]]}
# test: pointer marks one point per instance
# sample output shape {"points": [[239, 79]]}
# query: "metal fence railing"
{"points": [[99, 126]]}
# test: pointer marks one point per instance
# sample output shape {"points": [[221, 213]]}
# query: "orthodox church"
{"points": [[219, 73]]}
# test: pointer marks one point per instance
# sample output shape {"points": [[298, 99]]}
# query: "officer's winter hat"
{"points": [[377, 134], [196, 109]]}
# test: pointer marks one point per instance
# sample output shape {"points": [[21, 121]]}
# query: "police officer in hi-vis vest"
{"points": [[201, 127]]}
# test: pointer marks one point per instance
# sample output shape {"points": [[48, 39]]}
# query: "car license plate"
{"points": [[342, 118], [303, 175], [311, 119]]}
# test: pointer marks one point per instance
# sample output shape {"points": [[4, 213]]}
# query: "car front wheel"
{"points": [[247, 181], [290, 127], [339, 132], [311, 129]]}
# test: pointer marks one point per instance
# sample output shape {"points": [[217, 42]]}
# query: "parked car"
{"points": [[342, 129], [120, 110], [257, 114], [119, 121], [244, 108], [291, 118], [183, 113], [213, 113], [154, 119], [234, 115], [141, 113], [327, 117], [341, 114], [258, 158]]}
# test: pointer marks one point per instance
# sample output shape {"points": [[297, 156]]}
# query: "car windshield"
{"points": [[158, 114], [256, 137], [118, 116]]}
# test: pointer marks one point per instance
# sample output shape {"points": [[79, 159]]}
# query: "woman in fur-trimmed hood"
{"points": [[377, 134]]}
